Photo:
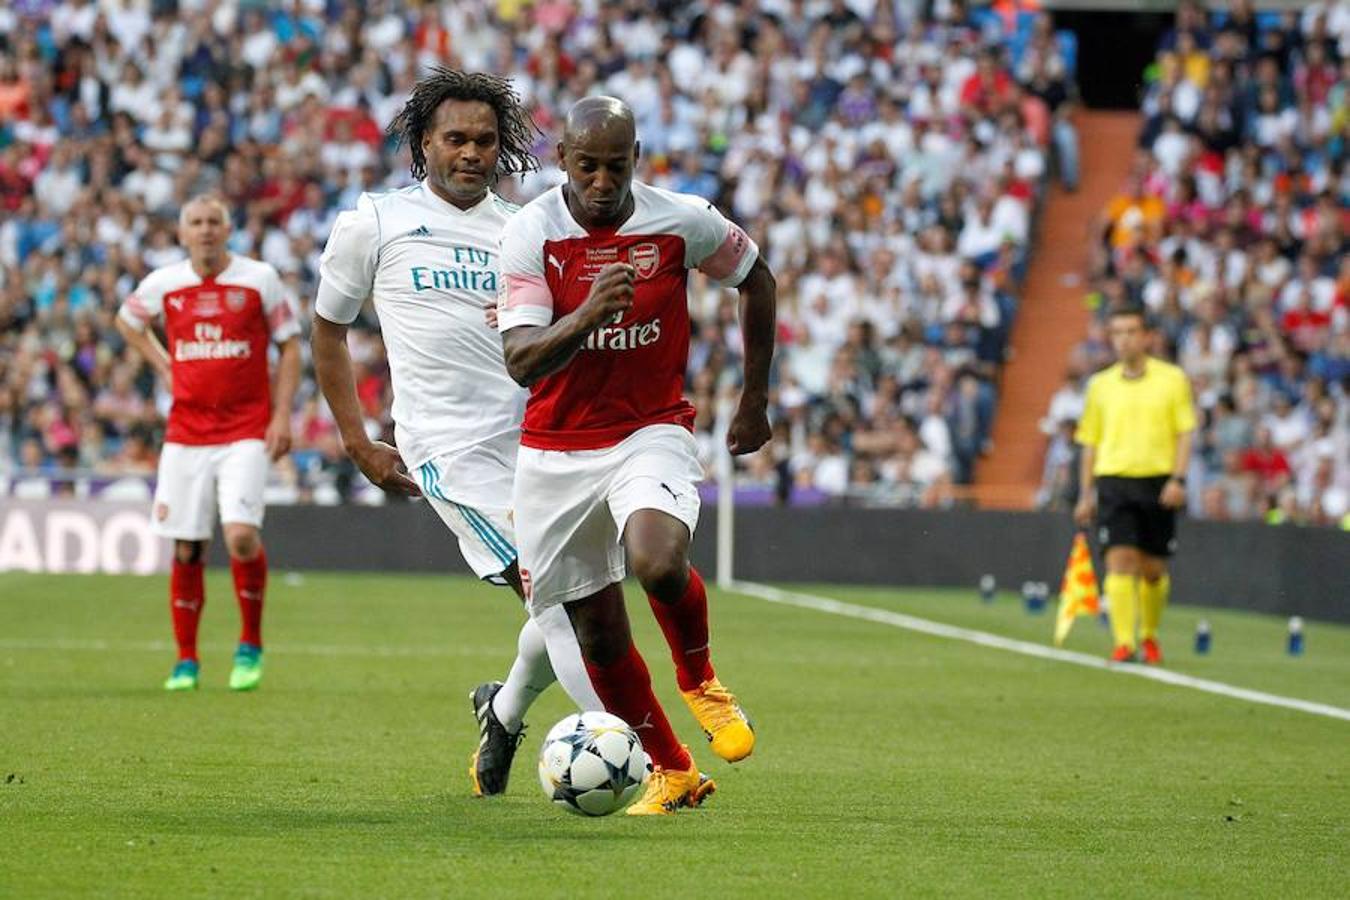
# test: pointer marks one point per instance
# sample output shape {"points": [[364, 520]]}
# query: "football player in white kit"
{"points": [[427, 255]]}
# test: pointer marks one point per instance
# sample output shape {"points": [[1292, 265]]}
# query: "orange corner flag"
{"points": [[1078, 591]]}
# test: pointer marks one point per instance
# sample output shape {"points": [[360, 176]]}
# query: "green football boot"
{"points": [[184, 676], [247, 672]]}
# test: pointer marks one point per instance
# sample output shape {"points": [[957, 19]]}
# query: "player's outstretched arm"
{"points": [[333, 368], [278, 437], [532, 352], [144, 342], [749, 429]]}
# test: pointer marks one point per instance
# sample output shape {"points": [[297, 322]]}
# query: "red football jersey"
{"points": [[629, 374], [217, 333]]}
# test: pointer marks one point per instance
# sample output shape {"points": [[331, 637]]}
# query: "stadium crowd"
{"points": [[1232, 230], [886, 156]]}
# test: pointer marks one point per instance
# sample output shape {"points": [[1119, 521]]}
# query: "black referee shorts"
{"points": [[1129, 514]]}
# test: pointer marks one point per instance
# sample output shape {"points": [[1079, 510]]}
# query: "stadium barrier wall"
{"points": [[1281, 570], [71, 536], [1284, 570]]}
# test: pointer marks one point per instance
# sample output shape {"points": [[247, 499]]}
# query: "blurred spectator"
{"points": [[888, 159], [1233, 230]]}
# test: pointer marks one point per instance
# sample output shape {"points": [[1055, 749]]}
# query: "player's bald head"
{"points": [[600, 121], [599, 151]]}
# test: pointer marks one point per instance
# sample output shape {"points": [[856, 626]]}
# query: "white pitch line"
{"points": [[1026, 648], [62, 644]]}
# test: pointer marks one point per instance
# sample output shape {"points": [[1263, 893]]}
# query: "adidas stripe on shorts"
{"points": [[486, 537]]}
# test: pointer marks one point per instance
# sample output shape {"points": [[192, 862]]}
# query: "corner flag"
{"points": [[1078, 591]]}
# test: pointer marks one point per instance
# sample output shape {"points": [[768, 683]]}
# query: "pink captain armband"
{"points": [[133, 309], [527, 291], [726, 259], [280, 316]]}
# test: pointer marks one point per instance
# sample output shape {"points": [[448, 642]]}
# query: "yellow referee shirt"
{"points": [[1134, 422]]}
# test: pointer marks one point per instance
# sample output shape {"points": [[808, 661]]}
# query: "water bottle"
{"points": [[1202, 637], [1296, 636], [1033, 595], [987, 587]]}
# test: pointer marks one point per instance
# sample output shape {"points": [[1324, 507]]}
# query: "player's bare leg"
{"points": [[187, 595], [610, 674], [499, 707], [248, 565], [658, 546]]}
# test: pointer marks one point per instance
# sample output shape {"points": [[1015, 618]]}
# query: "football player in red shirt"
{"points": [[595, 321], [227, 423]]}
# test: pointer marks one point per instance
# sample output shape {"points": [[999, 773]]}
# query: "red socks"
{"points": [[187, 595], [625, 687], [685, 625], [250, 581]]}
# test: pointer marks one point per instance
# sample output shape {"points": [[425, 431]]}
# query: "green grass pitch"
{"points": [[889, 764]]}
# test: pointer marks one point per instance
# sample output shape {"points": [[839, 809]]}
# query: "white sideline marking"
{"points": [[1026, 648], [287, 649]]}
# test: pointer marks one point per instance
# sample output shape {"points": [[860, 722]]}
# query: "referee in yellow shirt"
{"points": [[1136, 433]]}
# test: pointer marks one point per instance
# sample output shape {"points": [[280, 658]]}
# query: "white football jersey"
{"points": [[432, 269]]}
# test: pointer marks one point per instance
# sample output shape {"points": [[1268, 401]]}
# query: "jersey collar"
{"points": [[441, 204], [1131, 379], [602, 230], [229, 263]]}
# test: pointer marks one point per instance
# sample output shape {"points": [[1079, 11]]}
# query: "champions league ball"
{"points": [[592, 764]]}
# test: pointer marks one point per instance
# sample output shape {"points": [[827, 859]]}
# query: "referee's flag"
{"points": [[1078, 591]]}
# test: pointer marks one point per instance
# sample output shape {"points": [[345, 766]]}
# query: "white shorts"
{"points": [[483, 528], [195, 480], [572, 507]]}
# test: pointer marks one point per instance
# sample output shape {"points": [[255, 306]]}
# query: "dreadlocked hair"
{"points": [[516, 130]]}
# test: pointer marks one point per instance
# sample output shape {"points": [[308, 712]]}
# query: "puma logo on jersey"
{"points": [[553, 261], [674, 496]]}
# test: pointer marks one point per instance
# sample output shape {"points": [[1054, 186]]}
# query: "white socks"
{"points": [[556, 627], [530, 676]]}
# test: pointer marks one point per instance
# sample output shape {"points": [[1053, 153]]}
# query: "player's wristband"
{"points": [[1179, 479]]}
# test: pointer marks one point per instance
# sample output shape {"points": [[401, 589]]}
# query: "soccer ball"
{"points": [[592, 764]]}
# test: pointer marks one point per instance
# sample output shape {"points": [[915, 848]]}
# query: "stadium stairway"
{"points": [[1052, 317]]}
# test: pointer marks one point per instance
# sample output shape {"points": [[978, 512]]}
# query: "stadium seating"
{"points": [[889, 169], [1233, 231]]}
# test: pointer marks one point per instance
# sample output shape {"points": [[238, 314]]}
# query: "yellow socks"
{"points": [[1124, 603], [1152, 602]]}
